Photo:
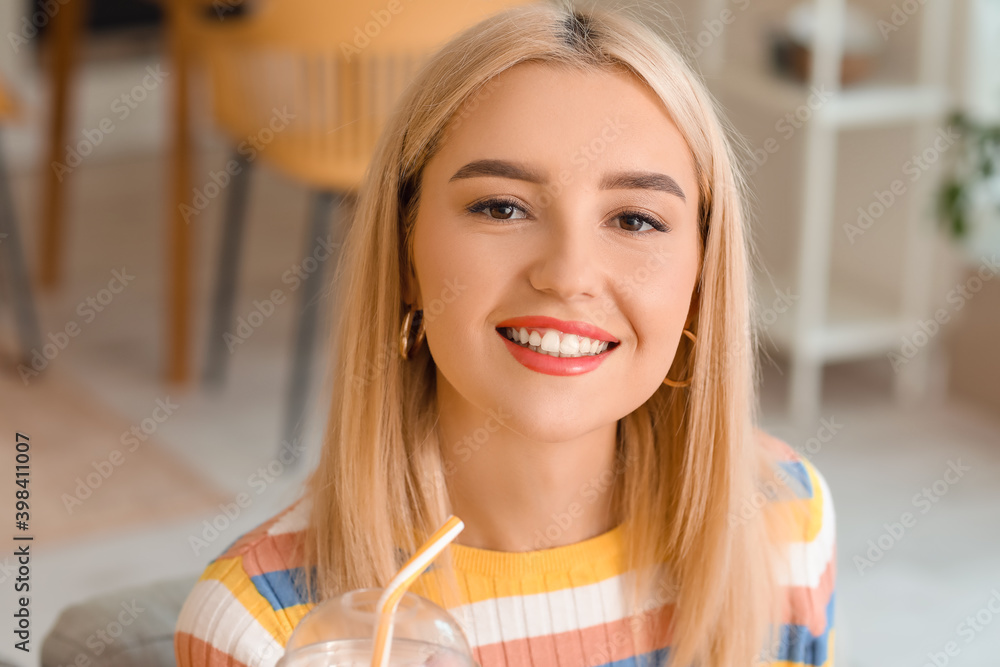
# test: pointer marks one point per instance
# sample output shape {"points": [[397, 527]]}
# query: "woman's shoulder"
{"points": [[790, 467], [810, 575], [248, 599]]}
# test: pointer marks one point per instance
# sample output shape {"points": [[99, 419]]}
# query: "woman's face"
{"points": [[557, 194]]}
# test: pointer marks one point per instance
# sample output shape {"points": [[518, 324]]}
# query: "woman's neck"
{"points": [[516, 494]]}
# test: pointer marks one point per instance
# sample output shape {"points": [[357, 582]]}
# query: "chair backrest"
{"points": [[10, 109], [310, 83]]}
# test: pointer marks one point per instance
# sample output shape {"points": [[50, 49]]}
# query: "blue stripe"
{"points": [[800, 646], [797, 471], [797, 646], [279, 587], [651, 659]]}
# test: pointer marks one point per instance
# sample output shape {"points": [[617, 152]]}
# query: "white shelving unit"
{"points": [[835, 322]]}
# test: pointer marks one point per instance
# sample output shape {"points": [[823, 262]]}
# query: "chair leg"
{"points": [[21, 293], [295, 408], [62, 46], [221, 316]]}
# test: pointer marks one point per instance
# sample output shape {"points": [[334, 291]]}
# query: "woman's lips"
{"points": [[545, 322], [546, 363]]}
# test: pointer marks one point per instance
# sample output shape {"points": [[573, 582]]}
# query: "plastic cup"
{"points": [[339, 633]]}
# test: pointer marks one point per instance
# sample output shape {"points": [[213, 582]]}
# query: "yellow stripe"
{"points": [[230, 573], [814, 520], [807, 513], [295, 613], [475, 587]]}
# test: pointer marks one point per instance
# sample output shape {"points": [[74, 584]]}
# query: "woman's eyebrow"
{"points": [[641, 180], [619, 180], [501, 168]]}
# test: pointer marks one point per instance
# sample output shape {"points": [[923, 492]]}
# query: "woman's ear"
{"points": [[411, 290], [694, 309]]}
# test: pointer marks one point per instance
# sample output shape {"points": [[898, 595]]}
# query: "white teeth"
{"points": [[550, 341], [555, 343], [570, 344]]}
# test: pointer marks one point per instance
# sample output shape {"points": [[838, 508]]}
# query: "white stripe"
{"points": [[541, 614], [294, 519], [211, 613], [808, 560]]}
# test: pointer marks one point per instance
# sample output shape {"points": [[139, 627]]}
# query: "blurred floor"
{"points": [[908, 603]]}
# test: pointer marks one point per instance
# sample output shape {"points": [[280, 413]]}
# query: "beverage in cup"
{"points": [[339, 632]]}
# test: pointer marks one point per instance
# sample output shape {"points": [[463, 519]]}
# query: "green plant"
{"points": [[978, 161]]}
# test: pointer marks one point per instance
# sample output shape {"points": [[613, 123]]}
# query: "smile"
{"points": [[554, 342], [552, 352]]}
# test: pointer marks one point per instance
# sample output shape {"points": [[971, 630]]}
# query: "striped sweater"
{"points": [[554, 607]]}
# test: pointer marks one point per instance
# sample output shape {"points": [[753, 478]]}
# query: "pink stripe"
{"points": [[273, 553], [808, 605], [193, 652], [596, 645]]}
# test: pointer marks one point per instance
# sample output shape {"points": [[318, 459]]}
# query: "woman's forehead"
{"points": [[558, 118]]}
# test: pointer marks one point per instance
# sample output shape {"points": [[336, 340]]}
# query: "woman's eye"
{"points": [[498, 209], [633, 222]]}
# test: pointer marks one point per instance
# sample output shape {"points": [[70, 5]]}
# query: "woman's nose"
{"points": [[567, 262]]}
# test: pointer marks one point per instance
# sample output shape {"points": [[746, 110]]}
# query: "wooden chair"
{"points": [[62, 45], [338, 67], [14, 272]]}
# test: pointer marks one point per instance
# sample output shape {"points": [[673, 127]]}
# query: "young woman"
{"points": [[545, 329]]}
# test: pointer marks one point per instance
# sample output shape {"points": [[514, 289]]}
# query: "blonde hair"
{"points": [[693, 454]]}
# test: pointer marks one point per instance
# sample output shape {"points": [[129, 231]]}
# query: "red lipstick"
{"points": [[546, 363], [573, 327]]}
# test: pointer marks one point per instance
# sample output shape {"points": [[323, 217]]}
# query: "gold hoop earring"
{"points": [[685, 383], [405, 346]]}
